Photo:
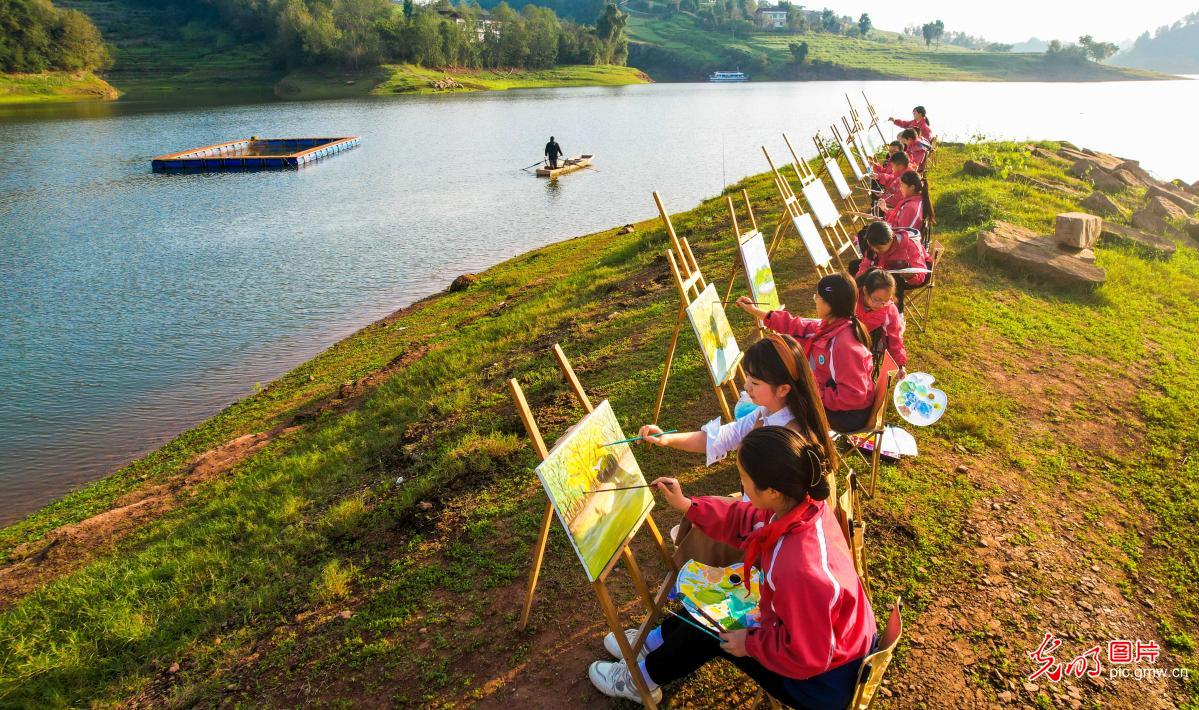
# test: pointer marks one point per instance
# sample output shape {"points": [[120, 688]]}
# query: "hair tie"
{"points": [[818, 467]]}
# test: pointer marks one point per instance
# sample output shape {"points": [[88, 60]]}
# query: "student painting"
{"points": [[919, 123], [916, 149], [837, 346], [913, 205], [892, 250], [878, 313], [884, 168], [816, 621], [900, 164], [780, 384]]}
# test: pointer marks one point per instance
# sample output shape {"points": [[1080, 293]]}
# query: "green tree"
{"points": [[932, 32], [864, 24], [610, 30], [799, 52], [1098, 51], [829, 21]]}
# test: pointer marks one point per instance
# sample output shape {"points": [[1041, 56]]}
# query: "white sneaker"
{"points": [[615, 681], [611, 646]]}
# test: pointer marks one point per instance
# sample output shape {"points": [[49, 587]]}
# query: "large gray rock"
{"points": [[978, 168], [1106, 181], [1025, 252], [1128, 178], [1135, 168], [1119, 234], [1165, 209], [1046, 186], [1083, 167], [1051, 157], [1102, 205], [1077, 230], [1151, 222], [1188, 204]]}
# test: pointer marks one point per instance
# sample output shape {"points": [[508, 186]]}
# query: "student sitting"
{"points": [[916, 149], [878, 313], [919, 123], [908, 213], [884, 168], [890, 250], [816, 621], [900, 164], [837, 347], [779, 381]]}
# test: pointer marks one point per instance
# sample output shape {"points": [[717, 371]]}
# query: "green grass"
{"points": [[392, 79], [240, 583], [54, 87], [883, 55]]}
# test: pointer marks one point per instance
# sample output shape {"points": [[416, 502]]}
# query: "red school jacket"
{"points": [[920, 125], [906, 253], [890, 185], [888, 319], [908, 213], [917, 151], [815, 614], [840, 363]]}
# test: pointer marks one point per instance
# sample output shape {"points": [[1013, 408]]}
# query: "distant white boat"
{"points": [[727, 76]]}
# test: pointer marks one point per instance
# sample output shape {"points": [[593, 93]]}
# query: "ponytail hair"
{"points": [[930, 214], [877, 280], [840, 292], [909, 133], [777, 458], [779, 360], [923, 114]]}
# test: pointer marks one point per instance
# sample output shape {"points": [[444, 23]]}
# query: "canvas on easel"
{"points": [[861, 173], [827, 215], [753, 260], [832, 166], [875, 123], [794, 217], [574, 465], [724, 366]]}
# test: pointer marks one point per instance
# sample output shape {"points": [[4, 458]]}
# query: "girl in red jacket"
{"points": [[908, 213], [919, 123], [916, 148], [816, 622], [877, 312], [838, 349], [900, 164], [891, 250]]}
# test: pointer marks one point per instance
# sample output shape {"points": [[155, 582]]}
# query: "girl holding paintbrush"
{"points": [[779, 381], [816, 621]]}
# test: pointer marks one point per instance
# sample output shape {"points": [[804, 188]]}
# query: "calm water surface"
{"points": [[134, 305]]}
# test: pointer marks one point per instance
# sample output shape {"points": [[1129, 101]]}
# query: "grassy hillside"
{"points": [[358, 532], [53, 86], [392, 79], [688, 52]]}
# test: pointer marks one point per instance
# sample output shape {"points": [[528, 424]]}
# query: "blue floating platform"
{"points": [[255, 153]]}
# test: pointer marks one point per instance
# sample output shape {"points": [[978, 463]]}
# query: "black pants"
{"points": [[553, 163], [848, 420], [684, 649]]}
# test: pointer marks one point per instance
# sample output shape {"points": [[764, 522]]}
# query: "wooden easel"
{"points": [[874, 120], [690, 282], [835, 233], [742, 238], [861, 173], [832, 168], [653, 603], [792, 217]]}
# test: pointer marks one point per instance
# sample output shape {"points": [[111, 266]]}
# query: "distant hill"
{"points": [[1172, 48], [1032, 45]]}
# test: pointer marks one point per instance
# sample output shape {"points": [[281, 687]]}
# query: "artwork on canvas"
{"points": [[761, 278], [821, 204], [579, 476], [810, 237], [834, 171], [917, 401], [720, 592], [872, 142], [711, 325]]}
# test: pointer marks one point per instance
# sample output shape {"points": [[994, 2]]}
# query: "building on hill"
{"points": [[481, 20], [772, 18]]}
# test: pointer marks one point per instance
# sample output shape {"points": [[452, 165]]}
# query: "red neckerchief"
{"points": [[765, 538], [827, 327]]}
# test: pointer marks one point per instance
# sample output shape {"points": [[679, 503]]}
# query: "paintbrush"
{"points": [[701, 627], [622, 488], [755, 303], [709, 619], [639, 438]]}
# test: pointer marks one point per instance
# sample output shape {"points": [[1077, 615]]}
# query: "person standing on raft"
{"points": [[552, 152]]}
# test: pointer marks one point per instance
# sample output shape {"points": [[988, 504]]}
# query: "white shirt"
{"points": [[723, 438]]}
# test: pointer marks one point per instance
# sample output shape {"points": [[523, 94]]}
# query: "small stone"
{"points": [[463, 282], [174, 668], [627, 229], [399, 480], [885, 691], [344, 614], [1031, 687], [423, 630], [425, 505], [962, 468], [1006, 696]]}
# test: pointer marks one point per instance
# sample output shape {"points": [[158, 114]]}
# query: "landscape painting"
{"points": [[582, 476], [757, 269], [711, 325]]}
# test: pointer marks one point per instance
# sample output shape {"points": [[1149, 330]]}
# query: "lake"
{"points": [[134, 304]]}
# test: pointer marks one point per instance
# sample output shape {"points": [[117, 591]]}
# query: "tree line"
{"points": [[35, 36]]}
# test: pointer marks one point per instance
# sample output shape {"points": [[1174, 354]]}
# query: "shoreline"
{"points": [[382, 491]]}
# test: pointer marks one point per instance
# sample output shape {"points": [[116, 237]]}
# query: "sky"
{"points": [[1017, 20]]}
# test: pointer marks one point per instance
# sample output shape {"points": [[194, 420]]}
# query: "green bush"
{"points": [[965, 207]]}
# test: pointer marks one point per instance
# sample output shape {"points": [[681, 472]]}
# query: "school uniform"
{"points": [[886, 330], [920, 125], [816, 621], [917, 151], [908, 213], [890, 185], [906, 252], [841, 365]]}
